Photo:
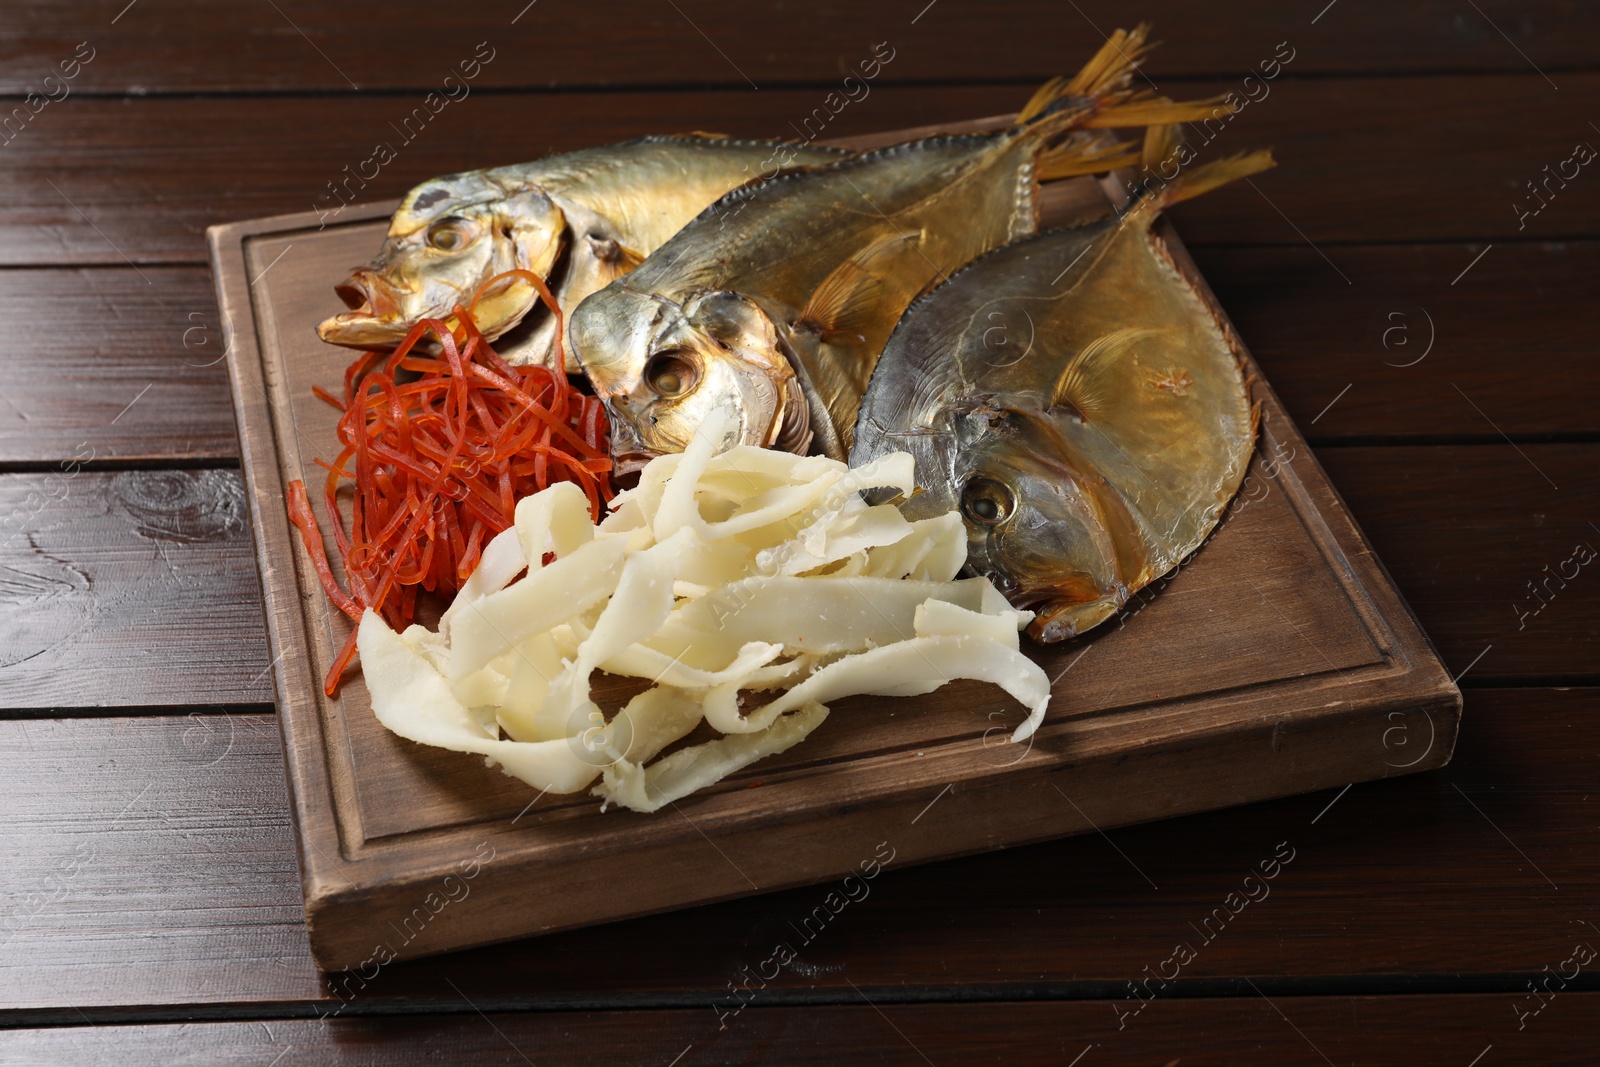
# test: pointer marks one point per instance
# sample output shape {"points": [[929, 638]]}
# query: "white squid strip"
{"points": [[502, 561], [413, 700], [542, 600], [942, 618], [535, 663], [834, 538], [934, 550], [641, 661], [676, 776], [820, 614], [555, 520], [653, 720], [637, 608], [887, 671]]}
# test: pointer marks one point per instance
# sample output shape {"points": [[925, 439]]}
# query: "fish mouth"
{"points": [[1064, 606], [628, 465], [352, 329], [374, 318], [1058, 618], [628, 453]]}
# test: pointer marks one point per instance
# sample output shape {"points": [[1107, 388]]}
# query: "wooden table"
{"points": [[1433, 336]]}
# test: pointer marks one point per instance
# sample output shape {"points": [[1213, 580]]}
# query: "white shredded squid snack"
{"points": [[716, 577]]}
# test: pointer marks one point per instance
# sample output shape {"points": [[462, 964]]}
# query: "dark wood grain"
{"points": [[116, 365], [1465, 530], [184, 889], [150, 173], [128, 589], [1515, 334], [1422, 1031], [187, 45]]}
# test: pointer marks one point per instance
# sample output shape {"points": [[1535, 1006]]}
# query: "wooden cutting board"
{"points": [[1279, 660]]}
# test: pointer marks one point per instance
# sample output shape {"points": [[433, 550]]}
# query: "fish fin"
{"points": [[851, 293], [1161, 144], [613, 258], [1148, 109], [1081, 385], [1108, 70], [1099, 97], [1086, 156], [1103, 84], [1202, 179], [627, 258]]}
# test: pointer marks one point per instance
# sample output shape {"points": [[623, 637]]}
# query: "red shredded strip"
{"points": [[438, 450]]}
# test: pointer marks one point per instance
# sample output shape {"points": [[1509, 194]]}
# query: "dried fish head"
{"points": [[579, 220], [449, 236], [1048, 531], [665, 367]]}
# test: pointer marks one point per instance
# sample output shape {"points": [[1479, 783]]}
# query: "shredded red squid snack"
{"points": [[443, 447]]}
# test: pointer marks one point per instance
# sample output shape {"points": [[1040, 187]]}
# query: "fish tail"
{"points": [[1149, 109], [1108, 72], [1189, 184], [1086, 155], [1161, 144], [1100, 96]]}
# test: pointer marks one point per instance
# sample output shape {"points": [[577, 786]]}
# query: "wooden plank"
{"points": [[112, 334], [150, 173], [128, 589], [1515, 334], [1428, 1031], [114, 365], [190, 46], [88, 581], [1474, 534], [149, 861]]}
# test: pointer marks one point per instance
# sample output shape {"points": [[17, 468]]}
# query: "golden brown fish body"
{"points": [[774, 304], [1079, 401], [724, 313], [579, 220]]}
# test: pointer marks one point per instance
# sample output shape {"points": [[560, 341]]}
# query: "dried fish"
{"points": [[1079, 400], [579, 220], [773, 305]]}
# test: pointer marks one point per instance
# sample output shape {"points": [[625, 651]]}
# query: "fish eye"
{"points": [[986, 501], [671, 374], [451, 234]]}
